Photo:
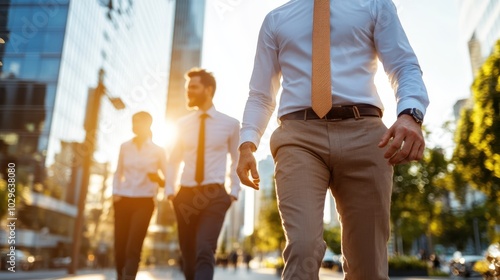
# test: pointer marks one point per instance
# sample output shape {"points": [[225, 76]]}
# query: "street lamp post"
{"points": [[87, 152]]}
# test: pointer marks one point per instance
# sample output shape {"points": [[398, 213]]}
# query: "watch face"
{"points": [[417, 114]]}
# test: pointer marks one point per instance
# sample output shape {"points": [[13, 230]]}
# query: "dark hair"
{"points": [[207, 78], [143, 115]]}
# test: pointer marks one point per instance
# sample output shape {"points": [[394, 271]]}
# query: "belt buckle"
{"points": [[332, 112], [357, 115]]}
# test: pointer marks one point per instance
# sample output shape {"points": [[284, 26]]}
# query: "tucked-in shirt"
{"points": [[362, 31], [221, 140], [134, 163]]}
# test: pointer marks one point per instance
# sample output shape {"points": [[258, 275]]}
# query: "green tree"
{"points": [[477, 152], [332, 238], [417, 198], [4, 197], [18, 197], [268, 234], [458, 227]]}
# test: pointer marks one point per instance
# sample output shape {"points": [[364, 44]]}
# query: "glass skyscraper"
{"points": [[186, 52], [53, 52]]}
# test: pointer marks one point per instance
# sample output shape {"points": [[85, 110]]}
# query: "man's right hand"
{"points": [[247, 164]]}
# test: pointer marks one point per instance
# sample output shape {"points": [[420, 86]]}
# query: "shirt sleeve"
{"points": [[117, 179], [397, 56], [264, 86], [233, 151], [173, 164]]}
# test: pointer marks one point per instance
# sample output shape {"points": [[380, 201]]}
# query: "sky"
{"points": [[230, 37]]}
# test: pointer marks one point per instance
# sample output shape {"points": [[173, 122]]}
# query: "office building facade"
{"points": [[53, 53], [480, 28]]}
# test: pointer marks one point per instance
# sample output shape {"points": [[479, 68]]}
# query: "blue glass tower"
{"points": [[53, 52]]}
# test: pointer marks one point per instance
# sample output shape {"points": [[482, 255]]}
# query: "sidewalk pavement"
{"points": [[155, 273], [173, 273]]}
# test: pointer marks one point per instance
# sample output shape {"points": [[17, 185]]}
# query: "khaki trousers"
{"points": [[316, 155]]}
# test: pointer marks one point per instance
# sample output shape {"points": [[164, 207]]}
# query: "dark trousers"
{"points": [[132, 216], [200, 213]]}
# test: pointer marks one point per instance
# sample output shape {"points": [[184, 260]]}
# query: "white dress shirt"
{"points": [[221, 139], [131, 176], [362, 31]]}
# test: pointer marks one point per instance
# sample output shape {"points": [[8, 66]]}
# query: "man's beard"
{"points": [[195, 102]]}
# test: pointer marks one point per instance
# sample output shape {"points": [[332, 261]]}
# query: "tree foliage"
{"points": [[16, 197], [3, 198], [458, 227], [477, 152], [417, 197], [333, 238], [268, 234]]}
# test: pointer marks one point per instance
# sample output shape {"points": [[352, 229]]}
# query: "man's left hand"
{"points": [[405, 140]]}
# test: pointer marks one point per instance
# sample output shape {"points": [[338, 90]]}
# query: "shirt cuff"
{"points": [[235, 191], [169, 190], [249, 136], [408, 104]]}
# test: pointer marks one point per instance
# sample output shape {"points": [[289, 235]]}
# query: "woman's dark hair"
{"points": [[146, 117]]}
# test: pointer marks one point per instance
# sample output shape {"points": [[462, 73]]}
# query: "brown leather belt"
{"points": [[337, 113]]}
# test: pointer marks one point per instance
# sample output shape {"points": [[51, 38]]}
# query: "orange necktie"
{"points": [[321, 76]]}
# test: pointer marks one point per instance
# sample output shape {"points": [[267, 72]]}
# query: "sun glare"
{"points": [[164, 134]]}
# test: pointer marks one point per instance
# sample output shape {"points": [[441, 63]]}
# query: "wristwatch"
{"points": [[417, 115]]}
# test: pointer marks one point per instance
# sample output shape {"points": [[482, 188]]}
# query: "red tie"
{"points": [[321, 76], [200, 154]]}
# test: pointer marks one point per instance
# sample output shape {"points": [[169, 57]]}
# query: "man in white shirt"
{"points": [[205, 138], [346, 148]]}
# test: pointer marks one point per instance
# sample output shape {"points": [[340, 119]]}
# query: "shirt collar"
{"points": [[210, 112], [148, 141]]}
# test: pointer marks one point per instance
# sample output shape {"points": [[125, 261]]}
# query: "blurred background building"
{"points": [[51, 58], [186, 52], [53, 53], [480, 27]]}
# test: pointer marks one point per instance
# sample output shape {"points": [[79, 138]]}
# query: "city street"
{"points": [[145, 274], [100, 106], [170, 273]]}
